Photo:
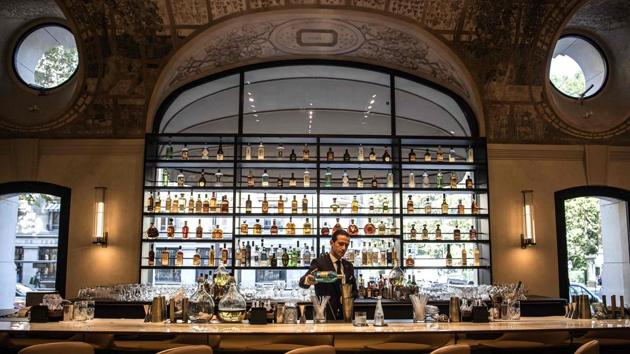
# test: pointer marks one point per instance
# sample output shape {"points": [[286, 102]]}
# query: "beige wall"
{"points": [[117, 164]]}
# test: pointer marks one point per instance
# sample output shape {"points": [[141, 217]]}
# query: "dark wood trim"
{"points": [[64, 220], [561, 227]]}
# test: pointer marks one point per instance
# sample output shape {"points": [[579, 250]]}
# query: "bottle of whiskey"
{"points": [[292, 181], [265, 179], [152, 231], [453, 180], [250, 179], [294, 205], [217, 178], [381, 228], [371, 205], [257, 227], [217, 233], [165, 177], [248, 152], [261, 151], [439, 157], [328, 178], [476, 256], [334, 207], [412, 156], [409, 205], [211, 257], [337, 226], [439, 179], [224, 254], [225, 205], [330, 155], [290, 227], [182, 203], [169, 152], [474, 209], [199, 204], [472, 233], [165, 258], [306, 155], [359, 180], [285, 258], [279, 182], [151, 257], [438, 232], [185, 230], [248, 205], [425, 180], [457, 234], [170, 229], [191, 203], [220, 151], [352, 228], [205, 153], [413, 233], [409, 262], [345, 180], [181, 179], [470, 154], [185, 155], [280, 151], [244, 228], [372, 155], [469, 182], [292, 156], [304, 205], [196, 260], [274, 228], [385, 207], [205, 207], [427, 207], [427, 156], [265, 204], [464, 257], [444, 206], [213, 203], [150, 203], [355, 205], [199, 230], [325, 230], [346, 156], [425, 233], [386, 156], [374, 182], [158, 204], [451, 155], [390, 179], [307, 227], [179, 258], [280, 206], [460, 208], [172, 205], [307, 178], [412, 180], [449, 257]]}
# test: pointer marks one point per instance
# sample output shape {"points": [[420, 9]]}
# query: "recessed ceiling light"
{"points": [[253, 106], [255, 115], [374, 95], [251, 99], [369, 107], [249, 93], [310, 104], [372, 102], [452, 132]]}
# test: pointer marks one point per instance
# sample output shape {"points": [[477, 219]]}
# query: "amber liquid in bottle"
{"points": [[304, 204], [307, 227], [170, 229], [244, 228], [274, 228], [265, 205], [369, 228], [257, 227], [225, 205], [213, 202], [199, 230], [290, 227], [179, 257], [217, 233], [409, 205], [280, 205], [185, 230]]}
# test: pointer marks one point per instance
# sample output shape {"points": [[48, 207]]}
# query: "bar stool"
{"points": [[528, 341], [453, 349], [609, 338], [318, 349], [591, 347], [154, 344], [411, 343], [271, 344], [60, 347], [189, 349]]}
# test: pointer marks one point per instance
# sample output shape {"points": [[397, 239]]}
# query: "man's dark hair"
{"points": [[339, 232]]}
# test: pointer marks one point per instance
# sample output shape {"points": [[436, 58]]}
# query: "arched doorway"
{"points": [[35, 228], [593, 241]]}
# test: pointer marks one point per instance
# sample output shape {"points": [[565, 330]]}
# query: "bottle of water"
{"points": [[322, 276], [379, 315]]}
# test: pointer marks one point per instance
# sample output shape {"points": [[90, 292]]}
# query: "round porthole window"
{"points": [[46, 57], [578, 68]]}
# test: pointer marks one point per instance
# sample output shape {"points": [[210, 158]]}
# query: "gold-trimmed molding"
{"points": [[535, 152]]}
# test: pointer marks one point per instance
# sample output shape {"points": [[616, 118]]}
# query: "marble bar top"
{"points": [[137, 326]]}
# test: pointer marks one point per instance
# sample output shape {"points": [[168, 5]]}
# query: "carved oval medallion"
{"points": [[316, 36]]}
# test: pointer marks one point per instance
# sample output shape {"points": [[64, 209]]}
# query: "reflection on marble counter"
{"points": [[138, 326]]}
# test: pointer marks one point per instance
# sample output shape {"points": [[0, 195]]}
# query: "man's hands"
{"points": [[310, 280]]}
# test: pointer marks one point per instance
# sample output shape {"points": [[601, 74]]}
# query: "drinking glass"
{"points": [[80, 310], [514, 310], [90, 306], [360, 318]]}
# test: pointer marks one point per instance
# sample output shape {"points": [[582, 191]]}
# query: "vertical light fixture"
{"points": [[528, 237], [99, 236]]}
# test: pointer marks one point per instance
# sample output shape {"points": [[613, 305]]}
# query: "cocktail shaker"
{"points": [[347, 301], [585, 307], [158, 309], [453, 309]]}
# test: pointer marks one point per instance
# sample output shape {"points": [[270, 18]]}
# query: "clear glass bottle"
{"points": [[251, 182], [470, 157], [328, 178], [425, 233], [165, 257], [307, 227], [426, 183], [191, 203], [372, 155], [265, 179], [182, 203], [427, 207], [427, 156], [292, 180], [464, 257], [438, 233], [476, 256], [257, 227], [294, 205], [261, 151], [181, 179], [382, 229], [290, 227], [413, 233], [248, 152], [361, 153], [265, 204], [453, 180], [304, 205], [220, 155], [179, 257], [185, 154], [355, 205], [280, 151], [371, 205], [345, 180], [232, 307], [451, 155], [307, 178], [218, 178], [444, 206], [334, 207], [196, 260], [280, 205], [157, 207], [244, 228], [390, 179], [205, 153], [359, 180], [306, 155], [412, 180]]}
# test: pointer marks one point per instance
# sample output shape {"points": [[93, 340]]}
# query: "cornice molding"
{"points": [[92, 147], [535, 152], [619, 153]]}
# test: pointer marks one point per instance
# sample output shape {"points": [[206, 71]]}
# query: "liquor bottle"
{"points": [[350, 254], [330, 155], [386, 156], [244, 228], [371, 205], [248, 205], [322, 276], [285, 258], [306, 256], [307, 227], [427, 207], [334, 207], [427, 156], [345, 180], [290, 227], [199, 204], [413, 233], [248, 255], [460, 208], [476, 256], [325, 230], [374, 182], [205, 153], [182, 203], [196, 261], [412, 156], [224, 254], [211, 257], [150, 203], [292, 181], [304, 205], [457, 234], [470, 154], [306, 155], [425, 180], [425, 233], [474, 209], [185, 230], [217, 178], [438, 233], [274, 228], [170, 229], [261, 151], [257, 227], [409, 205], [355, 205], [390, 179], [169, 151], [280, 206], [213, 203], [165, 177], [217, 233], [307, 178], [337, 226], [352, 228], [359, 180], [279, 182], [464, 257], [152, 231], [265, 204], [364, 255], [151, 257], [385, 207], [439, 157], [328, 178], [454, 180], [225, 205], [472, 233], [250, 179], [280, 151], [381, 228], [412, 180], [449, 257], [451, 155], [469, 182], [248, 152], [346, 156], [439, 179], [292, 156], [179, 257], [294, 205], [166, 256], [181, 179], [220, 151], [361, 153], [409, 261], [372, 155], [265, 179], [205, 206], [191, 203], [444, 206], [158, 204], [199, 230], [185, 155], [174, 205], [389, 254]]}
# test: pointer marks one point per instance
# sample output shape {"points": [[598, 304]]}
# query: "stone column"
{"points": [[616, 268]]}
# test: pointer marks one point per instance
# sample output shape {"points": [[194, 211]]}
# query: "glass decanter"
{"points": [[200, 305], [232, 306]]}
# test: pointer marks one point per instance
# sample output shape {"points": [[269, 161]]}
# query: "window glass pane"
{"points": [[578, 68], [311, 99]]}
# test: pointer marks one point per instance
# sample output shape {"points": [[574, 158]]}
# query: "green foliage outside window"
{"points": [[56, 66], [583, 231], [572, 86]]}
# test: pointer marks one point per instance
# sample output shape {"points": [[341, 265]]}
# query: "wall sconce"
{"points": [[100, 234], [528, 237]]}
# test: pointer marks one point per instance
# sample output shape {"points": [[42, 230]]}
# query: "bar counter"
{"points": [[136, 326]]}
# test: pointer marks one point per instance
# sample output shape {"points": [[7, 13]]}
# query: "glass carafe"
{"points": [[200, 305], [232, 306]]}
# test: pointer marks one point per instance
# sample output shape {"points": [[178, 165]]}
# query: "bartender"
{"points": [[332, 261]]}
